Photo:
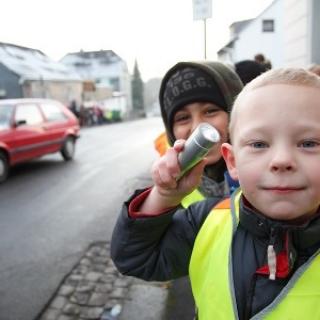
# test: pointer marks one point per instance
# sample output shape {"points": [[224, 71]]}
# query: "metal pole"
{"points": [[205, 38]]}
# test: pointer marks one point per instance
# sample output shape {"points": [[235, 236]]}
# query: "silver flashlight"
{"points": [[197, 146]]}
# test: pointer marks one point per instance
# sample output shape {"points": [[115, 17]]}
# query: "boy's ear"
{"points": [[228, 156]]}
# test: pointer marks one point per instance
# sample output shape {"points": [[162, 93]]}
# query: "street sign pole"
{"points": [[205, 38], [202, 10]]}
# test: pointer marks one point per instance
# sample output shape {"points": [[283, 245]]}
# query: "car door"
{"points": [[29, 137], [56, 123]]}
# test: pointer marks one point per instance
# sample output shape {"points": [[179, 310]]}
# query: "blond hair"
{"points": [[289, 76]]}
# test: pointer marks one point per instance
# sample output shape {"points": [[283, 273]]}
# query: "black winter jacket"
{"points": [[159, 248]]}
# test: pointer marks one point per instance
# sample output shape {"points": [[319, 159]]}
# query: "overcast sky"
{"points": [[157, 33]]}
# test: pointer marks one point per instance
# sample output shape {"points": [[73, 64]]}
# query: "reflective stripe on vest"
{"points": [[191, 198], [211, 274]]}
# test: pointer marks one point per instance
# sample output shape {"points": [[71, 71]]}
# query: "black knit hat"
{"points": [[189, 85], [248, 70], [189, 82]]}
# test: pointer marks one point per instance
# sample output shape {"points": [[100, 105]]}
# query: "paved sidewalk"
{"points": [[94, 289]]}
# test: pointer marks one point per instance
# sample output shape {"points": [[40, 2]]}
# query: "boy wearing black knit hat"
{"points": [[191, 93], [194, 92]]}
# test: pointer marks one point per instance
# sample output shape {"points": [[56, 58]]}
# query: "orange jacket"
{"points": [[161, 143]]}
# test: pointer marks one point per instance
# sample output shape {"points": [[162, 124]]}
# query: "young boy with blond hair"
{"points": [[256, 255]]}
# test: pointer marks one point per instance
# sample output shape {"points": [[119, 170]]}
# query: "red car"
{"points": [[31, 128]]}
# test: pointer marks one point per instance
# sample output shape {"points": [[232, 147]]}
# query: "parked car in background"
{"points": [[31, 128]]}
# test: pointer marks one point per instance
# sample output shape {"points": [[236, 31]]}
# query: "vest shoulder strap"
{"points": [[224, 204]]}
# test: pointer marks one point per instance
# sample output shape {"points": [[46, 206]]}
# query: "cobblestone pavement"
{"points": [[94, 289]]}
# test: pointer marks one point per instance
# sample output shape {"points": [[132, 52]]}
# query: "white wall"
{"points": [[315, 32], [125, 84], [117, 70], [251, 40], [297, 36]]}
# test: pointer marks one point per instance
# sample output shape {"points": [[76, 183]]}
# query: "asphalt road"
{"points": [[50, 211]]}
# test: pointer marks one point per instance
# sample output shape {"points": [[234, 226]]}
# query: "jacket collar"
{"points": [[303, 235]]}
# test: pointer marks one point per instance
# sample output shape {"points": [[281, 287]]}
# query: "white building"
{"points": [[287, 32], [108, 72], [302, 32]]}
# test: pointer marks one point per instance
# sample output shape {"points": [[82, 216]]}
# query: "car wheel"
{"points": [[4, 167], [68, 148]]}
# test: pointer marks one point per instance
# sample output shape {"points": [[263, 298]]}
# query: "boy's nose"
{"points": [[195, 122], [282, 160]]}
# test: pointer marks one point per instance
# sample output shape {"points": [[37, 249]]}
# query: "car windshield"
{"points": [[5, 116]]}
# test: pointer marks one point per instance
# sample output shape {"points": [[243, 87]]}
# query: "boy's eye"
{"points": [[181, 117], [211, 110], [308, 144], [258, 145]]}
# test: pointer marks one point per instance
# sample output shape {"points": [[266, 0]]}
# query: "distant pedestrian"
{"points": [[74, 108], [260, 58]]}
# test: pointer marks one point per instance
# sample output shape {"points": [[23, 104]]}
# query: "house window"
{"points": [[268, 25], [115, 83]]}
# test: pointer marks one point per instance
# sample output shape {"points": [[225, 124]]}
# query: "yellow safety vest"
{"points": [[211, 274], [191, 198]]}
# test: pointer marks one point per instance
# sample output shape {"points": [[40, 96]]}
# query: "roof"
{"points": [[228, 45], [91, 64], [235, 29], [237, 26], [32, 64], [87, 57]]}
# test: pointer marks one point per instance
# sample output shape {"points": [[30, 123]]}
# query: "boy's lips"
{"points": [[283, 189]]}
